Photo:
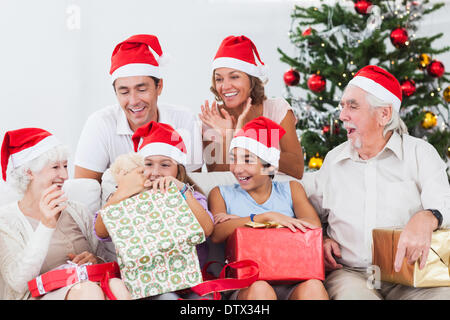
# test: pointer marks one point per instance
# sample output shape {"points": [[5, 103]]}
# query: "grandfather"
{"points": [[380, 177], [137, 82]]}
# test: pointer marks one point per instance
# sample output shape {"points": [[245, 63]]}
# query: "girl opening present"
{"points": [[164, 154], [254, 155]]}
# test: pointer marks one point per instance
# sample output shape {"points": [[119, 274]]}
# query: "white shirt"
{"points": [[355, 196], [107, 134], [276, 109]]}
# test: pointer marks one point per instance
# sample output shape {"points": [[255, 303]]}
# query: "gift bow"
{"points": [[80, 272], [264, 225]]}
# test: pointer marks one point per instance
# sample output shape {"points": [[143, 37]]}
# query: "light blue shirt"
{"points": [[240, 203]]}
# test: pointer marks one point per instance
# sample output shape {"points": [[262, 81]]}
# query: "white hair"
{"points": [[19, 179], [395, 123]]}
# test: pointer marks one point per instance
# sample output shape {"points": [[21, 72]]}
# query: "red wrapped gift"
{"points": [[282, 255], [59, 278]]}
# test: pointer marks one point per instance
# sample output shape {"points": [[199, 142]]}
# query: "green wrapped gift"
{"points": [[155, 235]]}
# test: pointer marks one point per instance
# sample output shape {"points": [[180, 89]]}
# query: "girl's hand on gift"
{"points": [[222, 217], [292, 223], [331, 249], [83, 258], [51, 204], [163, 183]]}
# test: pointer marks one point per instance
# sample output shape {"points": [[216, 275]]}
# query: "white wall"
{"points": [[55, 74]]}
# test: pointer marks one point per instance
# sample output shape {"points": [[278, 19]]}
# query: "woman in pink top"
{"points": [[238, 84]]}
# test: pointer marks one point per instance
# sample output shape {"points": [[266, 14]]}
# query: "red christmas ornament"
{"points": [[408, 87], [326, 128], [316, 83], [362, 6], [436, 69], [291, 77], [399, 37], [307, 32]]}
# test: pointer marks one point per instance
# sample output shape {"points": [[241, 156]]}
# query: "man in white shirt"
{"points": [[380, 177], [137, 83]]}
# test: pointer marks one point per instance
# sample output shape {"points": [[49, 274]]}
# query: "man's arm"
{"points": [[92, 156], [415, 240], [86, 173]]}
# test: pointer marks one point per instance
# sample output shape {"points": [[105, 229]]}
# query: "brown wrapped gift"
{"points": [[436, 272]]}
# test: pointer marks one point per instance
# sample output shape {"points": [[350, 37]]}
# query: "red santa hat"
{"points": [[134, 57], [380, 83], [240, 53], [261, 136], [159, 139], [23, 145]]}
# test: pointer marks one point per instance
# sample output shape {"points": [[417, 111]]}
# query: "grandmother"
{"points": [[43, 229]]}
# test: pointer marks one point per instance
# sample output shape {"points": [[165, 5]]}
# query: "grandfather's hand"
{"points": [[415, 240], [331, 249]]}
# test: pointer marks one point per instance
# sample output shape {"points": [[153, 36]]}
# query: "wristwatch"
{"points": [[438, 216]]}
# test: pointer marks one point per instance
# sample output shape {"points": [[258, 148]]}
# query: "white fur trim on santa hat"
{"points": [[270, 155], [164, 149], [377, 90], [256, 71], [19, 158], [136, 69]]}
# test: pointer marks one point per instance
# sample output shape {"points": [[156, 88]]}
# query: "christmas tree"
{"points": [[333, 42]]}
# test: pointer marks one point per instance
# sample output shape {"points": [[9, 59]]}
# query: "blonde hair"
{"points": [[126, 162]]}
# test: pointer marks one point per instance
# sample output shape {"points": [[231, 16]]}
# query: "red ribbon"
{"points": [[225, 284], [56, 279]]}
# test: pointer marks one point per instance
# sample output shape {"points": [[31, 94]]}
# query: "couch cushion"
{"points": [[85, 191]]}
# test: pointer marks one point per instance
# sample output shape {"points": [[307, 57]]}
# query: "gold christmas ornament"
{"points": [[448, 152], [447, 94], [424, 60], [429, 120], [315, 162]]}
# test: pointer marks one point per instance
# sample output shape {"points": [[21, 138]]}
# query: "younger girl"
{"points": [[254, 155], [164, 155]]}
